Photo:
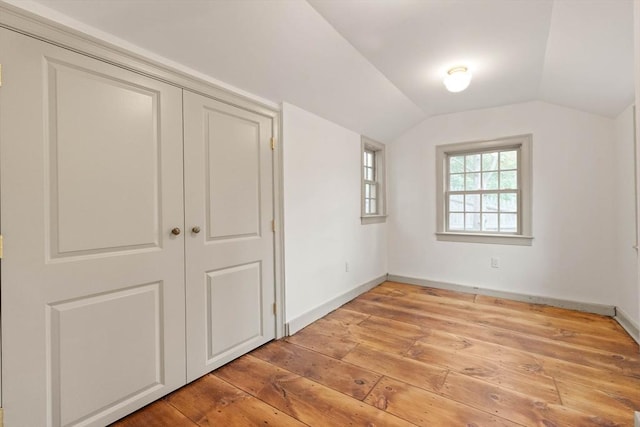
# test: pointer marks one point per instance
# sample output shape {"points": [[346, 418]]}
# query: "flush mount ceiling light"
{"points": [[457, 79]]}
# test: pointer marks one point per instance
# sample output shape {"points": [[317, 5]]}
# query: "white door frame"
{"points": [[34, 25]]}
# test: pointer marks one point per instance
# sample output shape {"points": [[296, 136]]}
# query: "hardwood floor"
{"points": [[403, 355]]}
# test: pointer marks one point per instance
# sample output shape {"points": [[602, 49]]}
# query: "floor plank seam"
{"points": [[373, 388], [558, 390], [481, 409], [256, 397], [315, 381], [168, 402]]}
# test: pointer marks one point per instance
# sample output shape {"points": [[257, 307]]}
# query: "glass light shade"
{"points": [[457, 79]]}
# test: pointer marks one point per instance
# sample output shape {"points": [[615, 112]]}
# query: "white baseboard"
{"points": [[607, 310], [628, 324], [297, 323]]}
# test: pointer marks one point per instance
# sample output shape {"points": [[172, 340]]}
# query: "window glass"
{"points": [[472, 163], [484, 191], [456, 164], [508, 160]]}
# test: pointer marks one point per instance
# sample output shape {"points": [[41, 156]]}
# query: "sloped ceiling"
{"points": [[577, 53], [376, 66]]}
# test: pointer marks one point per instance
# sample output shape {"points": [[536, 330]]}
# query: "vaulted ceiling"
{"points": [[376, 66]]}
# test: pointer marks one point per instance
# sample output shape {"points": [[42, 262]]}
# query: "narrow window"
{"points": [[373, 182], [370, 183]]}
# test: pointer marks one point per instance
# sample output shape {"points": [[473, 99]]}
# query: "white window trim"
{"points": [[526, 189], [381, 179]]}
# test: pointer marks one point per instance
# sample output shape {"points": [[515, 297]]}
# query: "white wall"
{"points": [[625, 216], [322, 214], [572, 256]]}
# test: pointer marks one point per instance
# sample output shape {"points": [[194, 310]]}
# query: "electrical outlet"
{"points": [[346, 267], [495, 262]]}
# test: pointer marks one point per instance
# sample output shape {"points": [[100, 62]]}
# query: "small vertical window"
{"points": [[373, 184], [370, 184]]}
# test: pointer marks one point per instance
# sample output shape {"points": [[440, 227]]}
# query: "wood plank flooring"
{"points": [[404, 355]]}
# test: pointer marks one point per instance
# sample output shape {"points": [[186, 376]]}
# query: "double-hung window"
{"points": [[370, 183], [484, 191], [373, 203]]}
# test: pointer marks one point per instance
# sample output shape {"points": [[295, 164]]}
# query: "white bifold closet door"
{"points": [[229, 241], [93, 295]]}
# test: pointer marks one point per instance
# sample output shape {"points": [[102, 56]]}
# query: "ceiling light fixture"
{"points": [[457, 79]]}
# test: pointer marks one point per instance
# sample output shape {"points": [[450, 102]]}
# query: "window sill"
{"points": [[497, 239], [373, 219]]}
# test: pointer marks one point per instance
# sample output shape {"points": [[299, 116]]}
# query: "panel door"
{"points": [[229, 239], [91, 162]]}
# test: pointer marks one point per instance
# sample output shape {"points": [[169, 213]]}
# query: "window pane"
{"points": [[472, 221], [456, 164], [509, 223], [508, 180], [373, 191], [371, 157], [456, 221], [367, 190], [364, 158], [369, 174], [490, 161], [472, 181], [490, 222], [472, 163], [472, 203], [509, 160], [456, 203], [509, 202], [456, 182], [490, 203], [370, 206], [490, 181]]}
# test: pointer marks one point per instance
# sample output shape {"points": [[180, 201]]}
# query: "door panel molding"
{"points": [[245, 278], [79, 330], [69, 89], [237, 213]]}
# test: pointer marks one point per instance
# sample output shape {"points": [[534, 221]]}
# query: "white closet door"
{"points": [[229, 239], [93, 320]]}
